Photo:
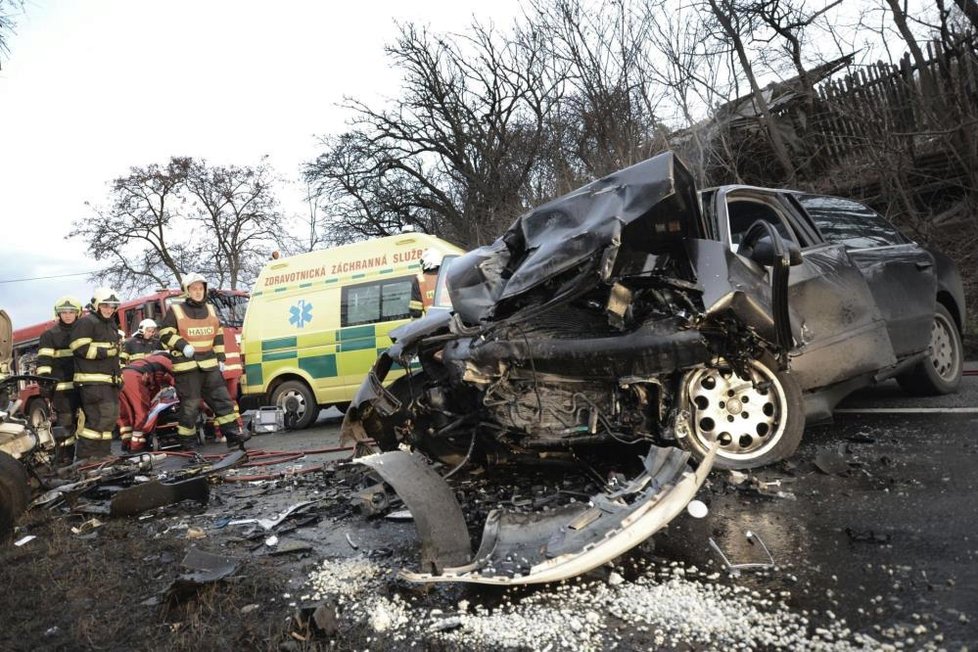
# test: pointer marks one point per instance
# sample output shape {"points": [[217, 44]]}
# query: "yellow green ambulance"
{"points": [[317, 321]]}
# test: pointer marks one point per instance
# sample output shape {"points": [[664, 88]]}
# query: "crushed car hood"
{"points": [[650, 207]]}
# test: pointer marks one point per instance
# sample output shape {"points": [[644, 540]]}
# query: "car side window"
{"points": [[742, 213], [850, 223]]}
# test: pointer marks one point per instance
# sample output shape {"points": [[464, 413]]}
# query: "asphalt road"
{"points": [[874, 521]]}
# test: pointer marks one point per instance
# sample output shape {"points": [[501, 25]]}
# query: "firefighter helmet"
{"points": [[430, 260], [144, 324], [106, 296], [66, 303], [191, 278]]}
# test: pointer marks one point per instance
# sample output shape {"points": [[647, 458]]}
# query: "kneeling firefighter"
{"points": [[95, 345], [194, 333]]}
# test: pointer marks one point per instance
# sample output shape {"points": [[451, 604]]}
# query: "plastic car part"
{"points": [[519, 548]]}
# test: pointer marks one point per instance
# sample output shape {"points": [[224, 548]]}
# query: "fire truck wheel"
{"points": [[15, 494]]}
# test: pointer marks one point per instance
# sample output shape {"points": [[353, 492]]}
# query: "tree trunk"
{"points": [[970, 9], [777, 143]]}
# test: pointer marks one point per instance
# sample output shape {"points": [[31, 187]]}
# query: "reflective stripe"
{"points": [[90, 434], [186, 365], [227, 418], [125, 430], [219, 348], [232, 367], [136, 356], [232, 355], [43, 371], [61, 387], [207, 364], [93, 378], [91, 353], [80, 342], [63, 353], [46, 351], [70, 441], [199, 332], [186, 432]]}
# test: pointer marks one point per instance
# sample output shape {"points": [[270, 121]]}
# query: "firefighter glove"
{"points": [[220, 365], [188, 351]]}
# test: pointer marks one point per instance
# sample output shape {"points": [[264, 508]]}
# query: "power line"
{"points": [[42, 278]]}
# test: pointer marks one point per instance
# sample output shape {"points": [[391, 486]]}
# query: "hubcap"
{"points": [[745, 416], [293, 399], [943, 349]]}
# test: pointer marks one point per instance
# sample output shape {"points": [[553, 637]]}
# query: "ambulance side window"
{"points": [[368, 303]]}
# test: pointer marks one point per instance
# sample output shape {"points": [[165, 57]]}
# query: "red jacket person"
{"points": [[193, 332], [141, 380]]}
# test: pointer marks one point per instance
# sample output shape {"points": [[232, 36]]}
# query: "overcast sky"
{"points": [[92, 88]]}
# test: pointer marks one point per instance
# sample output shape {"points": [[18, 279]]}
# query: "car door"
{"points": [[901, 274], [838, 330]]}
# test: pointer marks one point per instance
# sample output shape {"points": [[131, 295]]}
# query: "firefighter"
{"points": [[423, 289], [141, 380], [143, 342], [193, 332], [54, 358], [95, 345]]}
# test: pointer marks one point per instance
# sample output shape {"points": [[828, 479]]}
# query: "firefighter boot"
{"points": [[189, 443], [137, 443], [237, 438], [91, 449]]}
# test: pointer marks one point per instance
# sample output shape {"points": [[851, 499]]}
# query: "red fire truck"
{"points": [[230, 306]]}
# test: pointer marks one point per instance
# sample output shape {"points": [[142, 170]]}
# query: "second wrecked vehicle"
{"points": [[640, 326]]}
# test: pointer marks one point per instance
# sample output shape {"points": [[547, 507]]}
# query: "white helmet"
{"points": [[191, 278], [430, 260], [144, 324], [106, 296]]}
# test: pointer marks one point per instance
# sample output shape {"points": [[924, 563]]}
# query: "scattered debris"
{"points": [[87, 526], [750, 537], [349, 540], [697, 509], [24, 540], [831, 462], [205, 568], [867, 536]]}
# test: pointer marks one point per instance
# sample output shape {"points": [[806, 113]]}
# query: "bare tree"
{"points": [[165, 220], [733, 25], [455, 152], [970, 9], [8, 22], [136, 236], [237, 208]]}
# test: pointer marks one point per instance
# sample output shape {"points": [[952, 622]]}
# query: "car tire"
{"points": [[763, 423], [940, 371], [15, 494], [308, 409]]}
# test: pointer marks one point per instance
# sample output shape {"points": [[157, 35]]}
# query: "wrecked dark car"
{"points": [[641, 326]]}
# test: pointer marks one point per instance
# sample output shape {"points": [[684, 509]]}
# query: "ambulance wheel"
{"points": [[295, 396], [15, 493]]}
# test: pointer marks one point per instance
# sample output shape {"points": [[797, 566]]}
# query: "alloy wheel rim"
{"points": [[745, 416], [943, 346], [299, 399]]}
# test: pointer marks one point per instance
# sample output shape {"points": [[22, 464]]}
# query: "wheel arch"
{"points": [[285, 377], [947, 300]]}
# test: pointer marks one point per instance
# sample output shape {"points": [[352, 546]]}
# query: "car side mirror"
{"points": [[763, 251]]}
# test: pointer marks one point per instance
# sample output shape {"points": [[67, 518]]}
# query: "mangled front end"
{"points": [[573, 340]]}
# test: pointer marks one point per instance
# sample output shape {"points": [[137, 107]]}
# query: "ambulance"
{"points": [[317, 321]]}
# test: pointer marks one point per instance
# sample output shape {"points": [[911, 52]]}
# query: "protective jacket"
{"points": [[95, 344], [195, 323], [138, 347], [54, 355]]}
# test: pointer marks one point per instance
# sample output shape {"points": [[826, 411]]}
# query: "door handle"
{"points": [[922, 265]]}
